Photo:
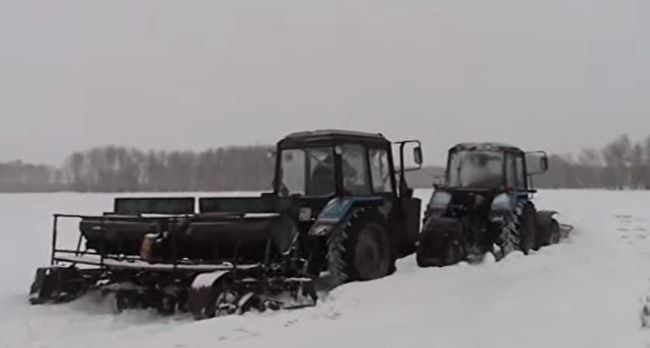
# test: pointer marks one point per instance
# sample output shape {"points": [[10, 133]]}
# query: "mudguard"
{"points": [[337, 210], [545, 216], [200, 295]]}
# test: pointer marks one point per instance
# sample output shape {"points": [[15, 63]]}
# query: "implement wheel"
{"points": [[217, 300]]}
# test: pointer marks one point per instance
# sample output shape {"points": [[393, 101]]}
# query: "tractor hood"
{"points": [[444, 198]]}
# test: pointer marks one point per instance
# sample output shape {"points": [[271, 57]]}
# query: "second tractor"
{"points": [[485, 205]]}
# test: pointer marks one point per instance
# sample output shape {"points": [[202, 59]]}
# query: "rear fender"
{"points": [[337, 210], [507, 202], [544, 218], [207, 280], [201, 294]]}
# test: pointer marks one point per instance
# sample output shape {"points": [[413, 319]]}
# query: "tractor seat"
{"points": [[321, 182]]}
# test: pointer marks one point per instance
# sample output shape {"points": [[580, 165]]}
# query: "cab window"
{"points": [[380, 171], [356, 180]]}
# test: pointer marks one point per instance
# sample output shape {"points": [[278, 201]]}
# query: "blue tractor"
{"points": [[358, 213], [485, 205]]}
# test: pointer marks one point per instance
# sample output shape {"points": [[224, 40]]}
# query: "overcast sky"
{"points": [[553, 74]]}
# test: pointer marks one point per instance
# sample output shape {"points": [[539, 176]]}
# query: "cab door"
{"points": [[403, 212], [515, 175]]}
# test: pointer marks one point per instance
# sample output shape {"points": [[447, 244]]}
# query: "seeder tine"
{"points": [[298, 306], [244, 302]]}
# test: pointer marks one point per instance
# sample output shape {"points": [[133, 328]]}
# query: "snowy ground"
{"points": [[585, 292]]}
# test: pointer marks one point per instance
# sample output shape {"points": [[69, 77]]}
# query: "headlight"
{"points": [[440, 200], [501, 202]]}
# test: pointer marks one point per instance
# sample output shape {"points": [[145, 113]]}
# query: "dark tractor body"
{"points": [[358, 213], [485, 205], [340, 210]]}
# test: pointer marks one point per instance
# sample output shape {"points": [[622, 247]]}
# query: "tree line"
{"points": [[620, 164], [118, 169]]}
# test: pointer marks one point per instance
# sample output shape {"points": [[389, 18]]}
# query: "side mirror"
{"points": [[417, 155], [543, 163], [541, 160]]}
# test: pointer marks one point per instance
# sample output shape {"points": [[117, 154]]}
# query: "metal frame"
{"points": [[107, 261]]}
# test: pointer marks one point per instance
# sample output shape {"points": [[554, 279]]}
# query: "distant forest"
{"points": [[621, 164]]}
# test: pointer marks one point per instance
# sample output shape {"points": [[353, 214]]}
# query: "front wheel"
{"points": [[441, 243]]}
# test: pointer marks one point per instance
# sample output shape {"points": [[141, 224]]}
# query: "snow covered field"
{"points": [[585, 292]]}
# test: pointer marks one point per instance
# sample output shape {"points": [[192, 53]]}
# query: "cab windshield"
{"points": [[307, 171], [476, 169]]}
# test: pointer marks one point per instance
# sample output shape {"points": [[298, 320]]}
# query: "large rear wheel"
{"points": [[518, 230], [361, 250]]}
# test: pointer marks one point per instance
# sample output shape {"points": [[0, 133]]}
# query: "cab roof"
{"points": [[323, 136], [485, 146]]}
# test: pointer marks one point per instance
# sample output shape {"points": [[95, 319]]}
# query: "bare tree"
{"points": [[617, 161]]}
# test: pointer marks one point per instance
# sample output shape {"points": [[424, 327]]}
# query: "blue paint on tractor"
{"points": [[338, 208]]}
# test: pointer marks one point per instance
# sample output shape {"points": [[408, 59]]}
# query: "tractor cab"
{"points": [[485, 202], [478, 173], [348, 181], [321, 165], [491, 167]]}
